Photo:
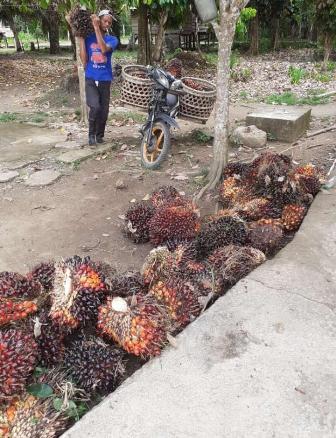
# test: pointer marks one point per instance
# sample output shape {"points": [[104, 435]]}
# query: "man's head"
{"points": [[106, 18]]}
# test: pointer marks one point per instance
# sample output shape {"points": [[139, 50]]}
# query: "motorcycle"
{"points": [[162, 110]]}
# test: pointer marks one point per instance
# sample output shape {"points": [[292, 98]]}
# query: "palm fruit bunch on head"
{"points": [[292, 216], [222, 231], [127, 284], [164, 195], [267, 174], [232, 262], [138, 324], [266, 235], [79, 288], [180, 298], [18, 358], [178, 220], [19, 297], [44, 273], [94, 365], [81, 22], [137, 220], [232, 191], [174, 67], [36, 418]]}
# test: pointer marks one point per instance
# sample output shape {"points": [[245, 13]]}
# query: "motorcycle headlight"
{"points": [[176, 85]]}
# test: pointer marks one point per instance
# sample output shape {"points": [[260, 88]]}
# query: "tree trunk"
{"points": [[327, 50], [225, 31], [157, 50], [53, 28], [144, 50], [73, 41], [11, 23], [81, 77], [276, 33], [254, 35]]}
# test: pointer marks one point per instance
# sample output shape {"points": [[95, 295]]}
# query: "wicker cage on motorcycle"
{"points": [[199, 100], [136, 87]]}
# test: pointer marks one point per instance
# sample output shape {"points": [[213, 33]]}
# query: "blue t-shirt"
{"points": [[99, 65]]}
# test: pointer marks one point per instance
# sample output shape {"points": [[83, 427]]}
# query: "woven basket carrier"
{"points": [[197, 104], [136, 87]]}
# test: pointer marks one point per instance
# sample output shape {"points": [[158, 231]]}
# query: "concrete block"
{"points": [[286, 124]]}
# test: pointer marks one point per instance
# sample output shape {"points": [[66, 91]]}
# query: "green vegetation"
{"points": [[7, 117], [290, 98], [201, 136], [134, 115], [296, 74]]}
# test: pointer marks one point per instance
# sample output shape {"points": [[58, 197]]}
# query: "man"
{"points": [[96, 56]]}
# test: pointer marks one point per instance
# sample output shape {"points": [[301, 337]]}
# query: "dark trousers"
{"points": [[98, 100]]}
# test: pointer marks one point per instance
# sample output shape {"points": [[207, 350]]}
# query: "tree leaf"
{"points": [[40, 390], [58, 404]]}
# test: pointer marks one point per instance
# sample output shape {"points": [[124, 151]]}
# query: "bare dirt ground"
{"points": [[79, 214]]}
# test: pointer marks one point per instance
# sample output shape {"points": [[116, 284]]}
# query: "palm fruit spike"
{"points": [[232, 191], [16, 285], [36, 418], [223, 231], [137, 219], [266, 235], [292, 216], [138, 325], [94, 365], [232, 262], [164, 195], [18, 358], [180, 299], [81, 22], [44, 272], [179, 222], [77, 293], [127, 284], [12, 310]]}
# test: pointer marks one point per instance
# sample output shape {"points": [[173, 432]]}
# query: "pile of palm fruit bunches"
{"points": [[78, 322]]}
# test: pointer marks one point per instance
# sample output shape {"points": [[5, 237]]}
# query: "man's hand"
{"points": [[95, 21]]}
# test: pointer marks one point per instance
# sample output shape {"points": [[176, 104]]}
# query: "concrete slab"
{"points": [[260, 363], [82, 154], [43, 178], [286, 124], [68, 145], [8, 176]]}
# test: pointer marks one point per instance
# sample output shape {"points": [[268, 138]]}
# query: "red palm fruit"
{"points": [[50, 340], [180, 299], [137, 220], [12, 310], [18, 358], [164, 195], [266, 235], [16, 285], [44, 273], [179, 222], [138, 325], [232, 191], [174, 67], [234, 169], [292, 216], [309, 170], [232, 262]]}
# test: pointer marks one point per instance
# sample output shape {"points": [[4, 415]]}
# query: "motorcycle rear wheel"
{"points": [[154, 154]]}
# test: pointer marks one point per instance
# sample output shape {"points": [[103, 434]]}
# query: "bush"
{"points": [[296, 74]]}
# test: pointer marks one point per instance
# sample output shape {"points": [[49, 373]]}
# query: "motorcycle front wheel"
{"points": [[154, 152]]}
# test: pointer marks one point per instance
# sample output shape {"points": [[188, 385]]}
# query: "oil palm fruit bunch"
{"points": [[180, 298], [137, 220], [127, 284], [159, 263], [81, 22], [232, 191], [231, 263], [266, 235], [18, 358], [36, 418], [292, 216], [44, 273], [164, 195], [79, 288], [257, 208], [50, 340], [235, 169], [138, 324], [171, 221], [223, 231], [174, 67], [14, 285], [268, 172], [94, 365]]}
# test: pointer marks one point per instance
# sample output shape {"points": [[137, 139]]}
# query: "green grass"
{"points": [[200, 136], [7, 117], [39, 117], [296, 74], [136, 116], [290, 98]]}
